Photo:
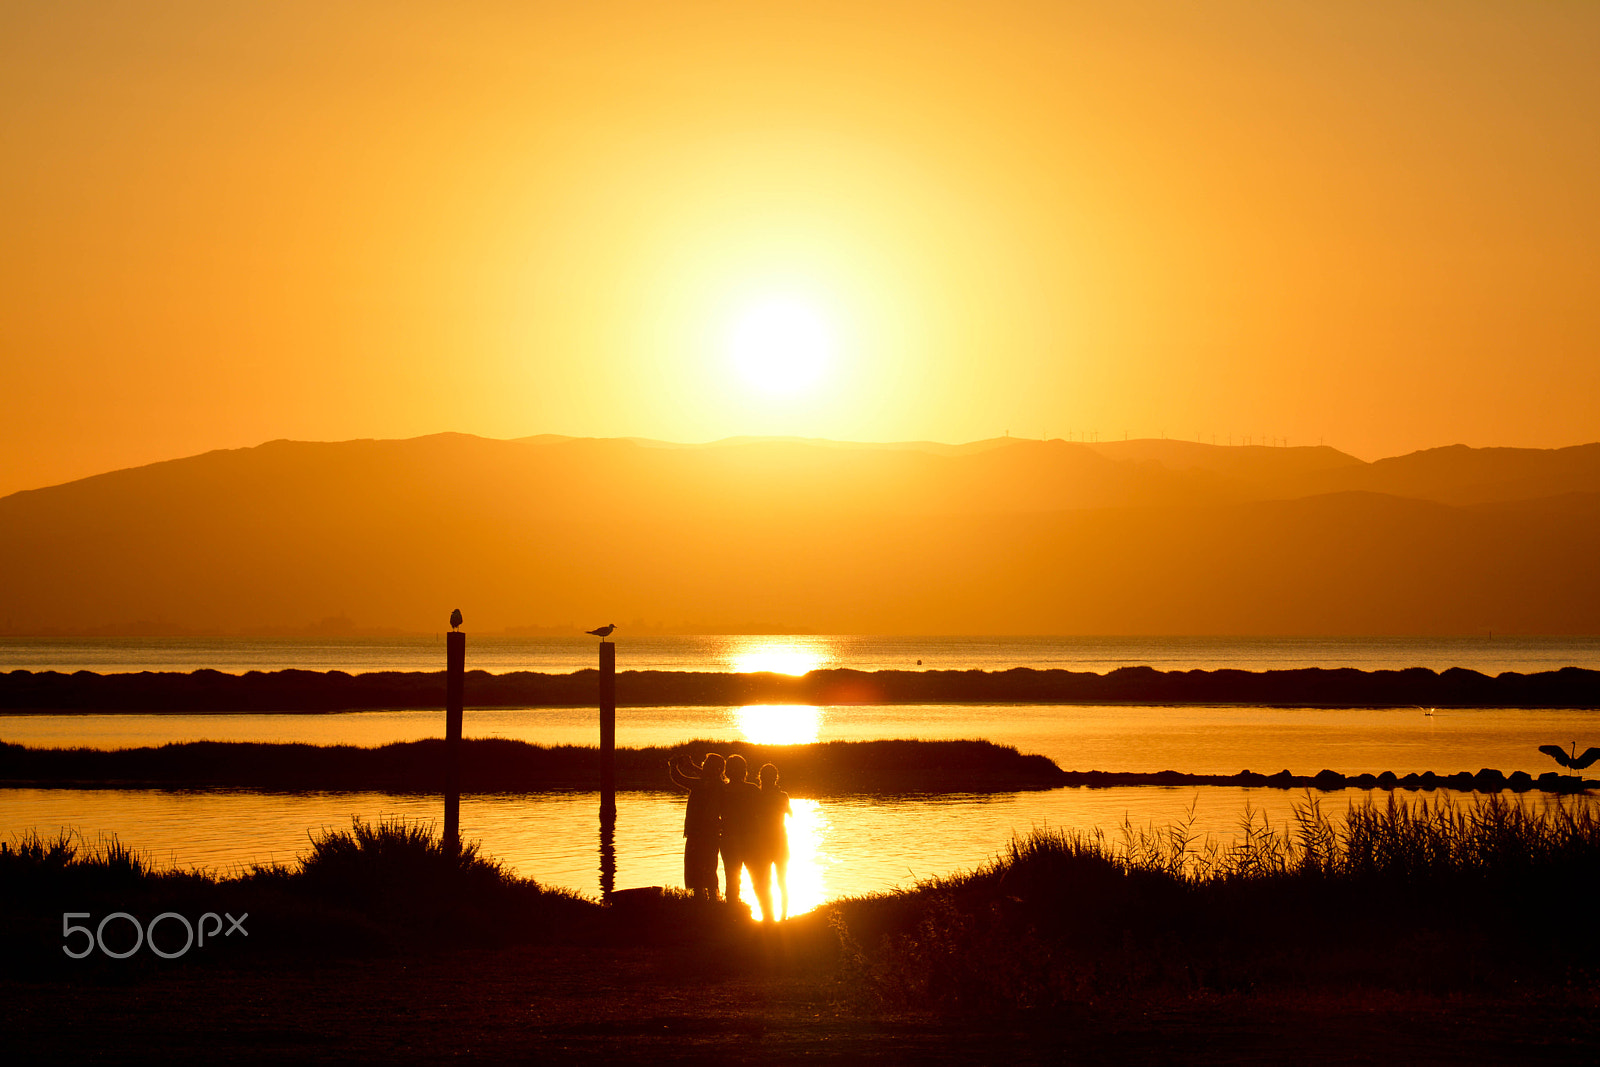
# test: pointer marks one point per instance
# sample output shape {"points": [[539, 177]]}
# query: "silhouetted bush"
{"points": [[1439, 896], [391, 887], [1435, 895]]}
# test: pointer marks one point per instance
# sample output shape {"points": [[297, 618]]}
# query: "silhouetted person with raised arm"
{"points": [[702, 821], [771, 843], [738, 824]]}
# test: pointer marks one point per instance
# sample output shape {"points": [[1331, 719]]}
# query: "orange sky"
{"points": [[227, 223]]}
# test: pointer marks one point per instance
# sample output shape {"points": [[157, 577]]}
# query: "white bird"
{"points": [[455, 619], [603, 632]]}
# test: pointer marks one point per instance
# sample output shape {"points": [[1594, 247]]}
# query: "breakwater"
{"points": [[318, 691], [1483, 781]]}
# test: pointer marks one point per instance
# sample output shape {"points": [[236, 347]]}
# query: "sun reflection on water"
{"points": [[809, 862], [779, 724], [776, 655], [788, 724]]}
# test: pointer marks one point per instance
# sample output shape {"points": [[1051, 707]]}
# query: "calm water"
{"points": [[1196, 740], [842, 845], [1490, 655]]}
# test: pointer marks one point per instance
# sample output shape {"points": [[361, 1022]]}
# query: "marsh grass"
{"points": [[394, 861], [410, 891], [374, 888], [43, 877], [1435, 895], [45, 865], [1440, 896]]}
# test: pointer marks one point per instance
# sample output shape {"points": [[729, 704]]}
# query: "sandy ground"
{"points": [[580, 1006]]}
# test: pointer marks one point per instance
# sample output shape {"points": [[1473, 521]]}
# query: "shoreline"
{"points": [[299, 691], [498, 765]]}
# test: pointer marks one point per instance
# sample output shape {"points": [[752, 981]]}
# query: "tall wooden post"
{"points": [[608, 731], [455, 669]]}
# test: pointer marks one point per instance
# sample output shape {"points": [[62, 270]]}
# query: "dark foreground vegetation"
{"points": [[498, 765], [1424, 933], [305, 691]]}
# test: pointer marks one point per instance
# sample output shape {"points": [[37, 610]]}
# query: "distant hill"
{"points": [[1462, 475], [1263, 467], [1003, 536]]}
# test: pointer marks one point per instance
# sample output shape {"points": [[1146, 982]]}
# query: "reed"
{"points": [[42, 877], [1441, 896], [371, 860], [369, 889], [67, 858], [1437, 895], [32, 850], [1444, 837], [409, 890]]}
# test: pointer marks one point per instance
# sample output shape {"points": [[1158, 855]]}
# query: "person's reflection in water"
{"points": [[702, 819], [738, 824], [770, 844]]}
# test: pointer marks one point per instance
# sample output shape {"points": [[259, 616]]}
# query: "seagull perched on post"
{"points": [[603, 632], [455, 619]]}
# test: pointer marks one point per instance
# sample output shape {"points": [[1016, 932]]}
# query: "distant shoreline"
{"points": [[497, 765], [317, 691]]}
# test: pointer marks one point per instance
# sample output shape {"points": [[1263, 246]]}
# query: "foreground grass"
{"points": [[1432, 897], [371, 890], [1435, 898]]}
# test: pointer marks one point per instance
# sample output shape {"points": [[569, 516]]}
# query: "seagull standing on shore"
{"points": [[603, 632], [455, 619]]}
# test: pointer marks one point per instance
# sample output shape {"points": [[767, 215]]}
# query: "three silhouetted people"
{"points": [[739, 820]]}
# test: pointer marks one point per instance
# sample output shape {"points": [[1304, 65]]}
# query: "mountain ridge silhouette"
{"points": [[1002, 536]]}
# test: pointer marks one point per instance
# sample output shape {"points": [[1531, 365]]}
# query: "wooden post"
{"points": [[455, 668], [608, 731]]}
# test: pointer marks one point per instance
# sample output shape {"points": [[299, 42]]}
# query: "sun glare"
{"points": [[809, 861], [752, 655], [779, 724], [775, 661], [780, 346]]}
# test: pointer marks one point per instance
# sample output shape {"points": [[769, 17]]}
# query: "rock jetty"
{"points": [[314, 691]]}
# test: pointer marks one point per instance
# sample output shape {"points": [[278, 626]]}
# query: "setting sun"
{"points": [[780, 345]]}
